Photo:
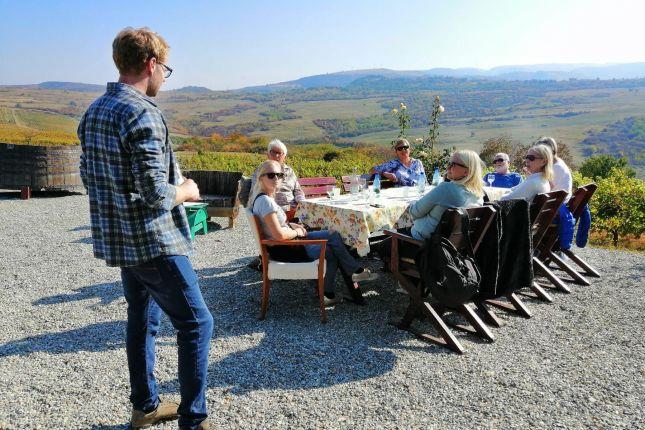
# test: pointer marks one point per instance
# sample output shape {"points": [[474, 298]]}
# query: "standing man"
{"points": [[139, 224]]}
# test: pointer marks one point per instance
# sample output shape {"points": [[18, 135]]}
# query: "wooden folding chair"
{"points": [[550, 244], [316, 187], [272, 269], [406, 272], [543, 211]]}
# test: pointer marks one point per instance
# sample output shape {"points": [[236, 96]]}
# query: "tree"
{"points": [[599, 166], [618, 206], [505, 144]]}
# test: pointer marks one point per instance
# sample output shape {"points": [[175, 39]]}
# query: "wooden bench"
{"points": [[220, 190]]}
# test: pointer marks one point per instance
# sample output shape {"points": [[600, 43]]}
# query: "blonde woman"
{"points": [[539, 163], [275, 226], [562, 179], [465, 189]]}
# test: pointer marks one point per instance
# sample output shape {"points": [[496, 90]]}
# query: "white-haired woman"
{"points": [[465, 189], [562, 179], [275, 226], [539, 163]]}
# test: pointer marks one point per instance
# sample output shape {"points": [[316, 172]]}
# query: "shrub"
{"points": [[618, 206], [599, 166]]}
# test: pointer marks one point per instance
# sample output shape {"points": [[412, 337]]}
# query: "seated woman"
{"points": [[275, 226], [464, 189], [403, 170], [562, 179], [503, 178], [539, 163]]}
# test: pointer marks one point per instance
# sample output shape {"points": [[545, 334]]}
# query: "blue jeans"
{"points": [[336, 255], [167, 283]]}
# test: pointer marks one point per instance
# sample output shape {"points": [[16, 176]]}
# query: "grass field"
{"points": [[567, 115]]}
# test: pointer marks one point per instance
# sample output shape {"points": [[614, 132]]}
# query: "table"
{"points": [[356, 220]]}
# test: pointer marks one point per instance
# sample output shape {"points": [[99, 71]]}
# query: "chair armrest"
{"points": [[403, 237], [322, 242], [294, 242]]}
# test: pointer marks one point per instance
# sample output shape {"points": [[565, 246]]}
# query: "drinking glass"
{"points": [[330, 192], [490, 178], [336, 191]]}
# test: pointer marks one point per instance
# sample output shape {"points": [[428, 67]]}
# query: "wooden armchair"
{"points": [[316, 187], [272, 269], [403, 267]]}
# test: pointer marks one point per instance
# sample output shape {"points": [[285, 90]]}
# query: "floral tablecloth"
{"points": [[355, 219]]}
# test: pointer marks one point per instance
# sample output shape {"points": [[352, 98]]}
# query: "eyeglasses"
{"points": [[402, 148], [276, 154], [498, 160], [531, 157], [167, 70], [454, 163], [273, 175]]}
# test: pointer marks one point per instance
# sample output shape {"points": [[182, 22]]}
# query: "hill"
{"points": [[508, 73], [358, 109]]}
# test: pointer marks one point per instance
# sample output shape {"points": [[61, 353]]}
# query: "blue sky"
{"points": [[232, 44]]}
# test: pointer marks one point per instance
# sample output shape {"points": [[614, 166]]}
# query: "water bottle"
{"points": [[377, 184], [353, 183], [436, 177], [421, 183]]}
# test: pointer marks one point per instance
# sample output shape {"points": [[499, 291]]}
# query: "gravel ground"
{"points": [[578, 363]]}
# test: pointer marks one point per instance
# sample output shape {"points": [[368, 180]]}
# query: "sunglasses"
{"points": [[498, 160], [402, 148], [454, 163], [273, 175], [532, 157]]}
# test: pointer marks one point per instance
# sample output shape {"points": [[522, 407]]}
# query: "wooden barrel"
{"points": [[40, 167]]}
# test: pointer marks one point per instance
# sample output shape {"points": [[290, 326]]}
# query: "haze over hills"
{"points": [[342, 79], [508, 73]]}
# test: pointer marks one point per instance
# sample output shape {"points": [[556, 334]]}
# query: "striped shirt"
{"points": [[128, 168]]}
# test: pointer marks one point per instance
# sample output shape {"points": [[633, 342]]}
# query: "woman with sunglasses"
{"points": [[562, 179], [275, 226], [464, 189], [539, 163], [404, 170], [503, 178]]}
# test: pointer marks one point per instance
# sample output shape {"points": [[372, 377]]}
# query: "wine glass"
{"points": [[490, 178]]}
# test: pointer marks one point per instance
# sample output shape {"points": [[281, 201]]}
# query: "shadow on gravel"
{"points": [[107, 293], [95, 337], [290, 349]]}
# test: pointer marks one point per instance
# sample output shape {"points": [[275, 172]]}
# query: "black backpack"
{"points": [[450, 276]]}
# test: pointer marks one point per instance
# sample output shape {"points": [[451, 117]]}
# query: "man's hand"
{"points": [[187, 192]]}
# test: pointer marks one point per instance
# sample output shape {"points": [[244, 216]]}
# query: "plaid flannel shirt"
{"points": [[128, 168]]}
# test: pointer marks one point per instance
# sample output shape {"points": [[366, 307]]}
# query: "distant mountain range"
{"points": [[541, 72], [557, 72]]}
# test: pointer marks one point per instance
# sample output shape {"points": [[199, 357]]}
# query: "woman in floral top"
{"points": [[404, 170]]}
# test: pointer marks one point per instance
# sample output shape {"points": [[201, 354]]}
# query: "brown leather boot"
{"points": [[166, 411]]}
